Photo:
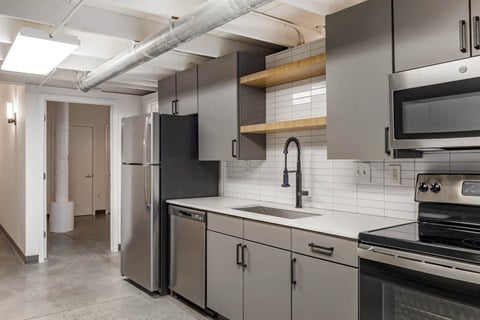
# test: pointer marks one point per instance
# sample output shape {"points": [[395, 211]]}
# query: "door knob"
{"points": [[88, 176]]}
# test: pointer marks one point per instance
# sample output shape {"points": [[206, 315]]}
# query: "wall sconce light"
{"points": [[11, 114]]}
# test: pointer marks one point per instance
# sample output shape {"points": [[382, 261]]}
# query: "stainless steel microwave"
{"points": [[436, 107]]}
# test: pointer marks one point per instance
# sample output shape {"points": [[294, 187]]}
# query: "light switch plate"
{"points": [[395, 174], [363, 172]]}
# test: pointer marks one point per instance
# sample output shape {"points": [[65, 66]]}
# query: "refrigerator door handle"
{"points": [[148, 203], [146, 128]]}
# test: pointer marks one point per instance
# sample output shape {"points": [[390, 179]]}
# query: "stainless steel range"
{"points": [[429, 269]]}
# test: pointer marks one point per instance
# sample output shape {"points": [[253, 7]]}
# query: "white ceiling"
{"points": [[107, 27]]}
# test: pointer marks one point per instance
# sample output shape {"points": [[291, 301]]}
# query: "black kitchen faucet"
{"points": [[299, 193]]}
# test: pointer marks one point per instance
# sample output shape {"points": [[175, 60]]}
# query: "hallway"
{"points": [[80, 280]]}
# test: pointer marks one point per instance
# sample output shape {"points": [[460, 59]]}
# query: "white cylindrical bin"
{"points": [[61, 217]]}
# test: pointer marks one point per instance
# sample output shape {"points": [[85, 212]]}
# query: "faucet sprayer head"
{"points": [[285, 183]]}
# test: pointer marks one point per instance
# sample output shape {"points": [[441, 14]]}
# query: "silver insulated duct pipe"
{"points": [[205, 18]]}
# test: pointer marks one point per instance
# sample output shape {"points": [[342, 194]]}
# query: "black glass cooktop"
{"points": [[459, 242]]}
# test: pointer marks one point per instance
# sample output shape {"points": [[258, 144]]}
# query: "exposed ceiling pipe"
{"points": [[301, 38], [67, 18], [49, 75], [205, 18]]}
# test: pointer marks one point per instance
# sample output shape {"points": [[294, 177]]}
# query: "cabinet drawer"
{"points": [[325, 247], [269, 234], [225, 224]]}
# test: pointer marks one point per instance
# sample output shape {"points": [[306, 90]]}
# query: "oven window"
{"points": [[404, 304], [392, 293], [447, 110]]}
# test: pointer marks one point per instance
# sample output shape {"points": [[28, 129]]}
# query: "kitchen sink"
{"points": [[275, 212]]}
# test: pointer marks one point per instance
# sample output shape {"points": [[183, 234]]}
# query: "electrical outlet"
{"points": [[395, 174], [363, 172]]}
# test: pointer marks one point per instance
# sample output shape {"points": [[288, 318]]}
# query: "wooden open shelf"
{"points": [[290, 125], [295, 71]]}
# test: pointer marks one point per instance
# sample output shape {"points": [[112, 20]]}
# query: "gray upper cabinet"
{"points": [[324, 290], [428, 32], [359, 60], [178, 94], [166, 95], [187, 92], [224, 105], [475, 26], [267, 286], [224, 275]]}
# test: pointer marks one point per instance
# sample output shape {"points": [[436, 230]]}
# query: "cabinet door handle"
{"points": [[175, 107], [243, 256], [476, 32], [234, 148], [321, 249], [293, 278], [463, 35], [239, 246], [387, 141]]}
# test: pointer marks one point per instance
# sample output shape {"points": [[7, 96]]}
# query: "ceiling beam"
{"points": [[258, 26], [105, 23], [322, 7]]}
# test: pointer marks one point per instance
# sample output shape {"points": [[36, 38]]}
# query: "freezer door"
{"points": [[140, 225], [140, 136]]}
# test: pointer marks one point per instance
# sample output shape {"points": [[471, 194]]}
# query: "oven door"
{"points": [[396, 285], [436, 107]]}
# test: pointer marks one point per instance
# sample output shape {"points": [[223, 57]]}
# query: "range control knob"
{"points": [[435, 187], [423, 187]]}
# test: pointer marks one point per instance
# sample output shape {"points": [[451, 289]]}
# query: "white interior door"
{"points": [[50, 164], [81, 169], [107, 168]]}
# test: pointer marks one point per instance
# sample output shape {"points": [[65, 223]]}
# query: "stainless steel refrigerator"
{"points": [[159, 162]]}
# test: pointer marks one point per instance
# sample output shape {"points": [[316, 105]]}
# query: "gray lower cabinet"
{"points": [[428, 32], [266, 283], [248, 280], [224, 276], [178, 94], [224, 105], [358, 66], [324, 290]]}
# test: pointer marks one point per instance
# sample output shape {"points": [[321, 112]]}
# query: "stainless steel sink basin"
{"points": [[281, 213]]}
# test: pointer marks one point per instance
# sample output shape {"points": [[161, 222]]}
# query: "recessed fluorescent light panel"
{"points": [[34, 51]]}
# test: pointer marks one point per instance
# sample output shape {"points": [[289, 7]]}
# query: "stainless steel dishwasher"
{"points": [[187, 253]]}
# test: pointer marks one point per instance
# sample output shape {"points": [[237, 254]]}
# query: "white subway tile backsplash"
{"points": [[332, 183]]}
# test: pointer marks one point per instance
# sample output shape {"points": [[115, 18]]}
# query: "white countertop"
{"points": [[337, 223]]}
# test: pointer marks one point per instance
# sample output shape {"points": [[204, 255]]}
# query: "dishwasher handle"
{"points": [[187, 213]]}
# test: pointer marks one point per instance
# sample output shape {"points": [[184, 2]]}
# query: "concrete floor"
{"points": [[80, 280]]}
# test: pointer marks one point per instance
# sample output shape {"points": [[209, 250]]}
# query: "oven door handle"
{"points": [[421, 263]]}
